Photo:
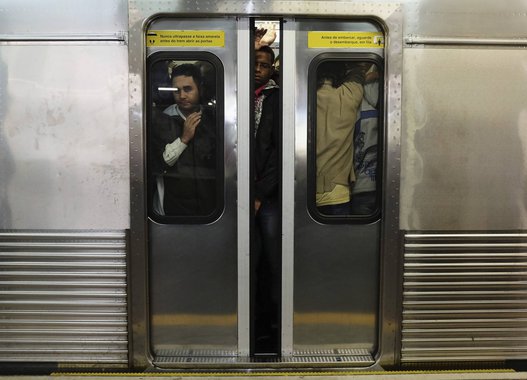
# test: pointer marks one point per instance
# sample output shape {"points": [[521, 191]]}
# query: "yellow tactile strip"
{"points": [[253, 374]]}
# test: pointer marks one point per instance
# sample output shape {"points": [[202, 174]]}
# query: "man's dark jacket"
{"points": [[190, 184], [266, 154]]}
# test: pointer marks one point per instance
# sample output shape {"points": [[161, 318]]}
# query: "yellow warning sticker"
{"points": [[317, 40], [188, 38]]}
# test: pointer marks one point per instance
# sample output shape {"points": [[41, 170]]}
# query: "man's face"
{"points": [[263, 68], [186, 94]]}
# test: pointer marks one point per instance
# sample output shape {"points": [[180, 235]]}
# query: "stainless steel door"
{"points": [[199, 299], [331, 269], [193, 260], [172, 326]]}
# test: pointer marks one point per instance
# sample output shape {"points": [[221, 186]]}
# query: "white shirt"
{"points": [[170, 156], [173, 150]]}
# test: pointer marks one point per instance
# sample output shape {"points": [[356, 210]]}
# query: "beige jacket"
{"points": [[336, 116]]}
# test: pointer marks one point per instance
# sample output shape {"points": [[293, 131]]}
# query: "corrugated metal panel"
{"points": [[465, 297], [63, 297]]}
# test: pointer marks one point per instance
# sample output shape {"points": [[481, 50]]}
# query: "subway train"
{"points": [[97, 270]]}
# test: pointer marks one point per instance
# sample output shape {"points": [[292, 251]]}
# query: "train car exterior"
{"points": [[97, 273]]}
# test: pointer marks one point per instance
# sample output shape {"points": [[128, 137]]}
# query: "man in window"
{"points": [[184, 150], [267, 205]]}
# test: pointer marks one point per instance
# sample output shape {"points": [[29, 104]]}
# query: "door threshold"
{"points": [[336, 358]]}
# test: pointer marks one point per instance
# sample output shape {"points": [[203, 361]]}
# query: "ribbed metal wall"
{"points": [[465, 297], [63, 297]]}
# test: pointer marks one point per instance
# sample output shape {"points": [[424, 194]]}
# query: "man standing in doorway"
{"points": [[267, 127]]}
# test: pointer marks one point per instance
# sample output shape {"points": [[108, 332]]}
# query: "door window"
{"points": [[345, 135], [185, 135]]}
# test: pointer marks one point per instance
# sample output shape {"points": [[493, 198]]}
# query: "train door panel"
{"points": [[191, 187], [335, 291], [198, 267]]}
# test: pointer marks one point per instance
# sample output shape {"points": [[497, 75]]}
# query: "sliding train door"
{"points": [[191, 190], [332, 189], [201, 231]]}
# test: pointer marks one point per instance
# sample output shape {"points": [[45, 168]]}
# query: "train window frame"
{"points": [[217, 65], [311, 138]]}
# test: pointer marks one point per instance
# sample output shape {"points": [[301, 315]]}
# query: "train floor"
{"points": [[372, 375]]}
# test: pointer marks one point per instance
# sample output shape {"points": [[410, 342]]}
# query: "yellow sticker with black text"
{"points": [[187, 38], [316, 40]]}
